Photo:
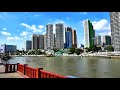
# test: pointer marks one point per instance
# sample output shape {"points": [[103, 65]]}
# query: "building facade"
{"points": [[40, 41], [59, 36], [34, 42], [28, 45], [49, 36], [45, 41], [68, 37], [54, 40], [115, 30], [74, 39], [8, 48], [106, 40], [89, 34], [98, 41]]}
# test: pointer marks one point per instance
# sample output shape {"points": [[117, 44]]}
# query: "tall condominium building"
{"points": [[98, 40], [89, 33], [34, 42], [59, 36], [45, 41], [106, 40], [74, 39], [54, 40], [28, 45], [49, 36], [37, 41], [41, 41], [115, 30], [68, 37]]}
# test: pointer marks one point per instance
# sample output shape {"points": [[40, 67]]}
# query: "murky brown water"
{"points": [[90, 67]]}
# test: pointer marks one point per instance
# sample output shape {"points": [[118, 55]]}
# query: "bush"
{"points": [[78, 51], [72, 50]]}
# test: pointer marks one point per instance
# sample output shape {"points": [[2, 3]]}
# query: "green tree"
{"points": [[78, 51], [93, 48], [109, 48], [72, 50]]}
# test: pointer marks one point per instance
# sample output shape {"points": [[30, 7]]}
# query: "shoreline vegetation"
{"points": [[99, 54]]}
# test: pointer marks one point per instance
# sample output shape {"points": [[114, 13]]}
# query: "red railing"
{"points": [[31, 72], [45, 74], [20, 68], [10, 68]]}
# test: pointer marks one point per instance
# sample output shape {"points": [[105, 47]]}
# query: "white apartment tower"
{"points": [[49, 36], [59, 36], [115, 30]]}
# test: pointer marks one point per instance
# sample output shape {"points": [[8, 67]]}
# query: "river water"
{"points": [[89, 67]]}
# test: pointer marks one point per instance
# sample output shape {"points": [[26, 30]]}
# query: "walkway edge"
{"points": [[22, 74]]}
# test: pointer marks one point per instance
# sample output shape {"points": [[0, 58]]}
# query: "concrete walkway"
{"points": [[8, 75]]}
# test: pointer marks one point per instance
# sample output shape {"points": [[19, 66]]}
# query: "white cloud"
{"points": [[13, 38], [41, 26], [33, 27], [61, 21], [17, 38], [105, 33], [67, 18], [10, 38], [24, 33], [83, 13], [26, 25], [5, 33], [4, 28], [101, 25]]}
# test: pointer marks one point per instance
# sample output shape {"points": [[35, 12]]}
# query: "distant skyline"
{"points": [[16, 27]]}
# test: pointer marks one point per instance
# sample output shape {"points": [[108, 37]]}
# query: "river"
{"points": [[89, 67]]}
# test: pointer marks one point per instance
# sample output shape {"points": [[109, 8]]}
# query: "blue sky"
{"points": [[16, 27]]}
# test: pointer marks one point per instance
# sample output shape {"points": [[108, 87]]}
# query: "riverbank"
{"points": [[99, 54]]}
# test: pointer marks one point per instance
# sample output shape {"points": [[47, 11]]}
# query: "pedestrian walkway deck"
{"points": [[8, 75]]}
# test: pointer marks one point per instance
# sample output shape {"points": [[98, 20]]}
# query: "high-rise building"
{"points": [[54, 40], [106, 40], [59, 36], [49, 36], [28, 45], [8, 48], [115, 30], [34, 42], [37, 41], [98, 40], [41, 41], [45, 41], [68, 37], [74, 39], [89, 33]]}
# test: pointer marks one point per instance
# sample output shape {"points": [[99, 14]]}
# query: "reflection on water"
{"points": [[90, 67]]}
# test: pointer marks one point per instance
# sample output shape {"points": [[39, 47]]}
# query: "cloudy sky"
{"points": [[16, 27]]}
